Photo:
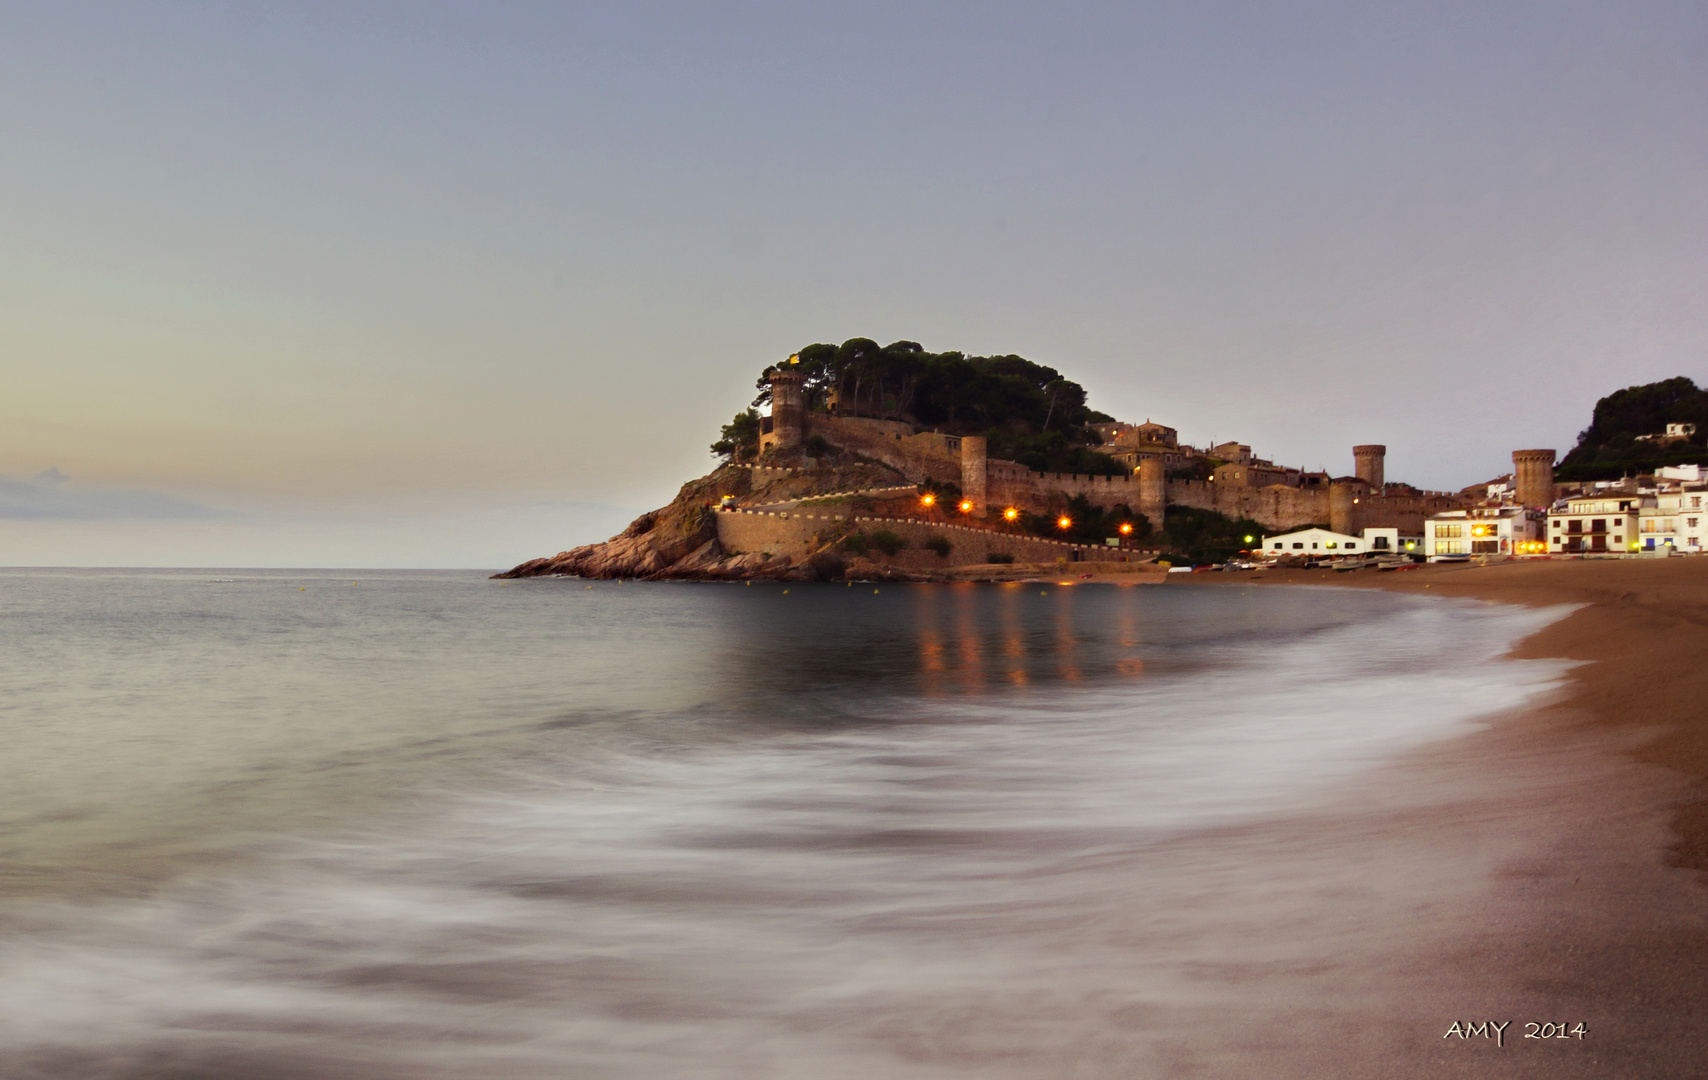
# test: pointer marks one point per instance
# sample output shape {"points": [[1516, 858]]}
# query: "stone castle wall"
{"points": [[1276, 506], [922, 456], [797, 534]]}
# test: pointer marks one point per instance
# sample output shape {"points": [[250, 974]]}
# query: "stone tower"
{"points": [[1153, 490], [1343, 506], [974, 488], [1533, 476], [1369, 465], [787, 412]]}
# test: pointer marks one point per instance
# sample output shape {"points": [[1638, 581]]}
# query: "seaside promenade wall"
{"points": [[797, 534]]}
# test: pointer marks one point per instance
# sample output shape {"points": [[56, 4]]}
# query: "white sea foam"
{"points": [[959, 886]]}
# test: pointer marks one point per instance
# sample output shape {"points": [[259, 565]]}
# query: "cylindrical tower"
{"points": [[974, 451], [1368, 465], [1533, 476], [1342, 507], [787, 413], [1153, 490]]}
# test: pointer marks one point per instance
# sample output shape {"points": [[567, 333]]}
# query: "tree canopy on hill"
{"points": [[1609, 448], [1030, 413]]}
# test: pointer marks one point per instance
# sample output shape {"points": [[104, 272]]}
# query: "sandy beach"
{"points": [[1550, 867]]}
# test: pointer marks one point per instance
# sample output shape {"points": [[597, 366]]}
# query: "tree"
{"points": [[1029, 412], [740, 437]]}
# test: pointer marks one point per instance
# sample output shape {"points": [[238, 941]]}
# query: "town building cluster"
{"points": [[1527, 515]]}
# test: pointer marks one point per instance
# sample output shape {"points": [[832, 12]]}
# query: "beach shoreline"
{"points": [[1594, 907]]}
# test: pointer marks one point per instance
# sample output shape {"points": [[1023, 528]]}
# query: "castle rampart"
{"points": [[795, 534], [1274, 496], [917, 456]]}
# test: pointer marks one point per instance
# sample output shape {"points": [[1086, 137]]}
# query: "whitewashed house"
{"points": [[1325, 543], [1601, 523], [1489, 530], [1673, 519]]}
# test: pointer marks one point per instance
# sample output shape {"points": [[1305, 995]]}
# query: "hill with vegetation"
{"points": [[1029, 413], [1612, 446]]}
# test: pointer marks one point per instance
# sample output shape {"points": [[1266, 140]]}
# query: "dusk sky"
{"points": [[463, 284]]}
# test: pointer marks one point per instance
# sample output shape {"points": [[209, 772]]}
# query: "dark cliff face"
{"points": [[656, 542]]}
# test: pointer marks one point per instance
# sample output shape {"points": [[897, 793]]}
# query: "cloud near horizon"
{"points": [[47, 497]]}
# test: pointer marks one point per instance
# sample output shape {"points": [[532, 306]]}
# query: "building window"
{"points": [[1380, 543], [1450, 547], [1350, 545], [1575, 527], [1598, 525], [1445, 530], [1691, 522], [1297, 544], [1484, 547]]}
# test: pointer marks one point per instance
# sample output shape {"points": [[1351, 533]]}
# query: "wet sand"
{"points": [[1548, 869]]}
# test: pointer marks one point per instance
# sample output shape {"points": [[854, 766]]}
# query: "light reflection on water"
{"points": [[428, 825]]}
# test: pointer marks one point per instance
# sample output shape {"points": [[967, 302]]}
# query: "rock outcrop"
{"points": [[680, 542], [685, 532]]}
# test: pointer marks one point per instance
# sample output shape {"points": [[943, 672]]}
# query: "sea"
{"points": [[361, 824]]}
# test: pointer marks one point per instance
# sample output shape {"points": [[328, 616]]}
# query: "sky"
{"points": [[458, 285]]}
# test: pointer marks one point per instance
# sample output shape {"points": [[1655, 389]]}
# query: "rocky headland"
{"points": [[679, 542]]}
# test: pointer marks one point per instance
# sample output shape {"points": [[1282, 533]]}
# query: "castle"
{"points": [[1233, 482], [805, 513]]}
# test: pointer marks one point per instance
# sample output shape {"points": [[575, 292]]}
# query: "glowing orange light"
{"points": [[1011, 513], [966, 506], [1064, 522], [927, 500], [1126, 527]]}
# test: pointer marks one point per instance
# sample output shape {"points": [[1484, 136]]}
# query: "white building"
{"points": [[1491, 530], [1674, 433], [1605, 522], [1672, 519], [1325, 543], [1693, 520]]}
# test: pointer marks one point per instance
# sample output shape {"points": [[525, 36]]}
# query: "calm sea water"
{"points": [[425, 825]]}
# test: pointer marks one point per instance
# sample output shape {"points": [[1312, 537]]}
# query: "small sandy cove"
{"points": [[1545, 870]]}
